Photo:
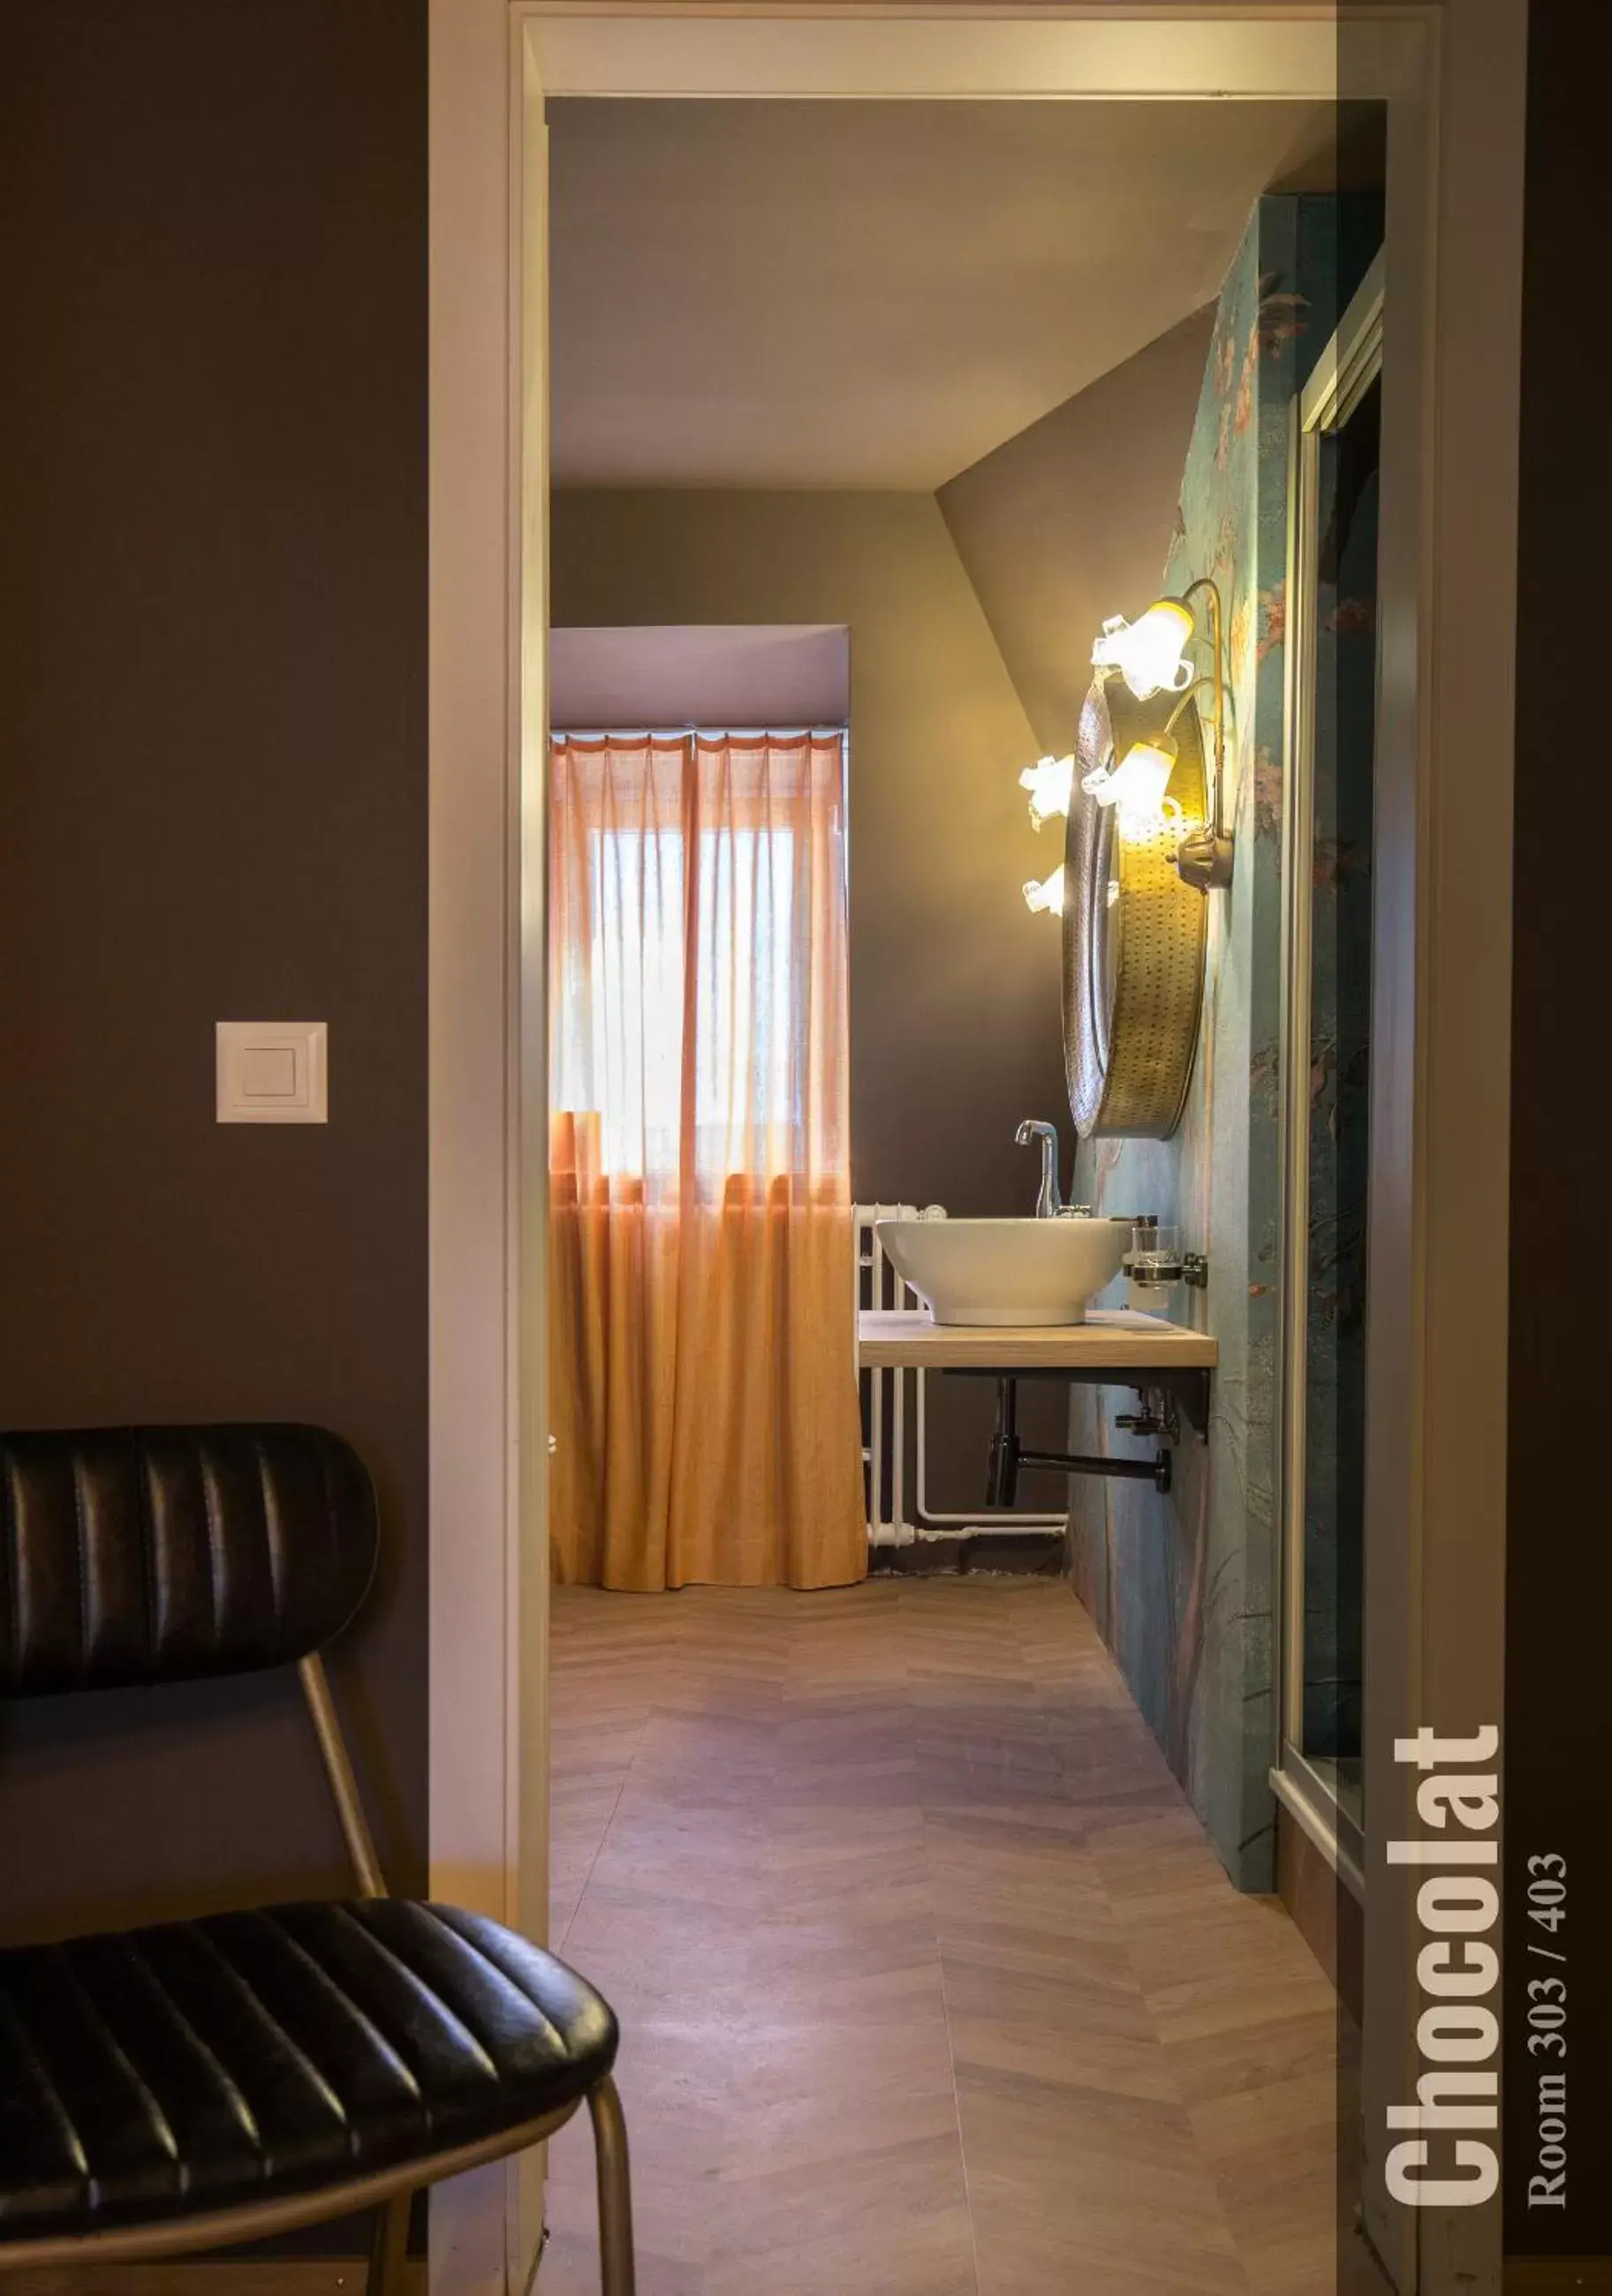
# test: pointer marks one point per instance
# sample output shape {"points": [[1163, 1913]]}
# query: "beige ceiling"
{"points": [[760, 294]]}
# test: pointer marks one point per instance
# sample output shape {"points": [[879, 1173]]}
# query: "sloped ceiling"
{"points": [[874, 295], [1069, 521]]}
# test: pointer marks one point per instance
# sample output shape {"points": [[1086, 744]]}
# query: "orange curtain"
{"points": [[702, 1384]]}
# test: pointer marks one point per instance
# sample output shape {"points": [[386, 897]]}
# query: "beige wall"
{"points": [[955, 1027], [1070, 520], [955, 1031]]}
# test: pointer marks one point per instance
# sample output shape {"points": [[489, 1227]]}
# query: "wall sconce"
{"points": [[1149, 655], [1137, 757], [1144, 841]]}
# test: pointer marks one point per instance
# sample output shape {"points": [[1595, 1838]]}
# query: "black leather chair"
{"points": [[205, 2082]]}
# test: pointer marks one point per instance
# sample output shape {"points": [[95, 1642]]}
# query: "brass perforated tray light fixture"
{"points": [[1143, 844], [1133, 943]]}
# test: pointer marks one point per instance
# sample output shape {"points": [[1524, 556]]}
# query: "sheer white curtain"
{"points": [[703, 1385]]}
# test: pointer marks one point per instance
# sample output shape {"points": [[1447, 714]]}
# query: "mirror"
{"points": [[1133, 931]]}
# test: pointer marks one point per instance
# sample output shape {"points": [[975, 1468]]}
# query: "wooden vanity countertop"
{"points": [[1115, 1339]]}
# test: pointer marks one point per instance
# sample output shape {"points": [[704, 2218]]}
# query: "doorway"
{"points": [[487, 1781], [825, 362]]}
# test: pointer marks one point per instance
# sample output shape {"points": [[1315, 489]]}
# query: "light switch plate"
{"points": [[271, 1072]]}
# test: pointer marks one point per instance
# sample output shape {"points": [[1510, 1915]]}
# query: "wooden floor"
{"points": [[929, 1982]]}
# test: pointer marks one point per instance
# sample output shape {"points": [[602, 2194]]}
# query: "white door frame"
{"points": [[1455, 85]]}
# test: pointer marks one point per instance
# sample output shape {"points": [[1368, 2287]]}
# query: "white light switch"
{"points": [[268, 1072], [271, 1072]]}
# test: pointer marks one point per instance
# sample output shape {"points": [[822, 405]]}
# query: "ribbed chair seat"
{"points": [[201, 2083], [211, 2064]]}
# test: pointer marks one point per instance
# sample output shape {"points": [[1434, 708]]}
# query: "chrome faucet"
{"points": [[1049, 1203]]}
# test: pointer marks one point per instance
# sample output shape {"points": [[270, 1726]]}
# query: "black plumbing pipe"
{"points": [[1008, 1456], [1154, 1471]]}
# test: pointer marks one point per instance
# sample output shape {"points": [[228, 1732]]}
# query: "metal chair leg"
{"points": [[388, 2248], [617, 2277]]}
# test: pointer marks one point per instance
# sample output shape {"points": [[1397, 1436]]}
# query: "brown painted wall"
{"points": [[1559, 1558], [212, 804], [1069, 521]]}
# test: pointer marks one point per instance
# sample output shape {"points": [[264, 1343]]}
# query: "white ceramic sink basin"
{"points": [[1006, 1271]]}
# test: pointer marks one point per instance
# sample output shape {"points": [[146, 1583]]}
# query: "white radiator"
{"points": [[888, 1391], [883, 1389]]}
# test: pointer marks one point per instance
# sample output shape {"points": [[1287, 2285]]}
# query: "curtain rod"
{"points": [[677, 733]]}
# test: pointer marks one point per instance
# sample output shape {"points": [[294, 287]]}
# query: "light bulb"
{"points": [[1137, 784], [1049, 894], [1148, 653], [1050, 782]]}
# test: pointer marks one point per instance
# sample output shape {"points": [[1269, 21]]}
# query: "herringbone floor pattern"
{"points": [[930, 1983]]}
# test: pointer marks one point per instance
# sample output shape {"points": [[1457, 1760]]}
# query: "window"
{"points": [[699, 958]]}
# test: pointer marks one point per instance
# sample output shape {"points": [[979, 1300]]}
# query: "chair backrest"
{"points": [[146, 1555]]}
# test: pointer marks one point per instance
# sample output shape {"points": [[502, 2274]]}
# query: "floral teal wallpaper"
{"points": [[1184, 1589]]}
